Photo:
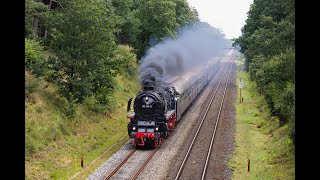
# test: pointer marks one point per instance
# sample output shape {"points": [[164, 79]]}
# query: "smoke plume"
{"points": [[195, 44]]}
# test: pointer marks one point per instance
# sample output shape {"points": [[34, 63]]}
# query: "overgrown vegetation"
{"points": [[259, 138], [268, 43], [82, 38], [55, 143], [81, 60]]}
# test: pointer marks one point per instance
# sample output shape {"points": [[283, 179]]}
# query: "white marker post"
{"points": [[240, 86]]}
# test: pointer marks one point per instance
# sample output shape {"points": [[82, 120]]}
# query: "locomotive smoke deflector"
{"points": [[129, 104]]}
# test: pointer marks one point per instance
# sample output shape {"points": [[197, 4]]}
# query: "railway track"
{"points": [[116, 174], [200, 149]]}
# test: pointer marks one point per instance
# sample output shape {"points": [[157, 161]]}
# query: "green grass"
{"points": [[55, 144], [259, 138]]}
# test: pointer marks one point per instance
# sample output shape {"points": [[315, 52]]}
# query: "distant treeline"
{"points": [[268, 42], [75, 44]]}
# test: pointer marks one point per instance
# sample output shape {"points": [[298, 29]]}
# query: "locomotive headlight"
{"points": [[134, 128], [157, 128]]}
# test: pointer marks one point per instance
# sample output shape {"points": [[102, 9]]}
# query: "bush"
{"points": [[92, 104], [70, 109], [123, 59], [288, 107], [34, 56], [31, 85]]}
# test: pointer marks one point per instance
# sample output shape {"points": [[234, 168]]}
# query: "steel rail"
{"points": [[121, 164], [126, 159], [195, 136], [144, 164]]}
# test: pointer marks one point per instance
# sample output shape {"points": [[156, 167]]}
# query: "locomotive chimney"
{"points": [[148, 88]]}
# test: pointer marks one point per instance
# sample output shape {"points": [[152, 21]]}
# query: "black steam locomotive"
{"points": [[157, 112]]}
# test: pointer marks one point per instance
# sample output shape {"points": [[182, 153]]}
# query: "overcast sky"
{"points": [[227, 15]]}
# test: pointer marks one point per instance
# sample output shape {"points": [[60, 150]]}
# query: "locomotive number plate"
{"points": [[146, 123]]}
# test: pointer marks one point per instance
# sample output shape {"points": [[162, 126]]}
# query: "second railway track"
{"points": [[196, 159]]}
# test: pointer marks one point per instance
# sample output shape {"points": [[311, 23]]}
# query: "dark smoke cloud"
{"points": [[195, 44]]}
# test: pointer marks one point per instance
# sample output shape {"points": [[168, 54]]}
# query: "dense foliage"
{"points": [[268, 42], [83, 45], [33, 10], [82, 38]]}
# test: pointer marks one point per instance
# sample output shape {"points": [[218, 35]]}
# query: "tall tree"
{"points": [[268, 42], [185, 14], [34, 15], [82, 37], [158, 21], [128, 24]]}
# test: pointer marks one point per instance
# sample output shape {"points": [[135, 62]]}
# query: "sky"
{"points": [[226, 15]]}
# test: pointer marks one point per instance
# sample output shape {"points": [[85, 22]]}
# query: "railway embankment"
{"points": [[263, 148], [57, 147]]}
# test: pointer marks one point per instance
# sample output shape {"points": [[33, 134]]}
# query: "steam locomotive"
{"points": [[157, 112]]}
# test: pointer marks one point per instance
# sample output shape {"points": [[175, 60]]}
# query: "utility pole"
{"points": [[240, 86]]}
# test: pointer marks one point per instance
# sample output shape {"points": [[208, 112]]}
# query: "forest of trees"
{"points": [[268, 43], [75, 44]]}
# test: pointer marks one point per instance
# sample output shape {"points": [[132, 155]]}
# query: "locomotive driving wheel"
{"points": [[157, 143]]}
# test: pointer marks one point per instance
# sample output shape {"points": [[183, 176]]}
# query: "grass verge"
{"points": [[259, 139]]}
